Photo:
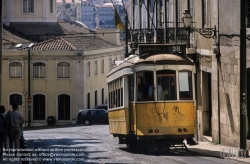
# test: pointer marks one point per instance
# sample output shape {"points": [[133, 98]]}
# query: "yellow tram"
{"points": [[152, 97]]}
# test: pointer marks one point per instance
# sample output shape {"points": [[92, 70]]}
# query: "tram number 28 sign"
{"points": [[146, 50]]}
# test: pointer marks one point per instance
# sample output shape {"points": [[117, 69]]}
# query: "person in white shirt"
{"points": [[151, 91]]}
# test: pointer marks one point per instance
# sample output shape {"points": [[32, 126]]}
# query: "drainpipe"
{"points": [[218, 83], [1, 50], [29, 102], [243, 85], [218, 75]]}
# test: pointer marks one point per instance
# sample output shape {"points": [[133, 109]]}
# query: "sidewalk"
{"points": [[217, 150]]}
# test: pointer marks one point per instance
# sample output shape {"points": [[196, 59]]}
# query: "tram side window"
{"points": [[145, 86], [115, 93], [185, 83], [166, 85]]}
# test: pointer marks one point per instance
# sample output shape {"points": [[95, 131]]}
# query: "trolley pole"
{"points": [[243, 81]]}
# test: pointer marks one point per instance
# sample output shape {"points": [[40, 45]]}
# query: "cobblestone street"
{"points": [[94, 144]]}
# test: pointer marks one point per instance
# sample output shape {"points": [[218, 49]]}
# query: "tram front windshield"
{"points": [[164, 88]]}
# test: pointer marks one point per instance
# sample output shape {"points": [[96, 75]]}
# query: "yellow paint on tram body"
{"points": [[168, 117], [118, 123]]}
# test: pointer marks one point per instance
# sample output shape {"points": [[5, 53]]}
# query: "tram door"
{"points": [[130, 105]]}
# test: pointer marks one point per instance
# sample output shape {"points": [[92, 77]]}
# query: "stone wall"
{"points": [[229, 79]]}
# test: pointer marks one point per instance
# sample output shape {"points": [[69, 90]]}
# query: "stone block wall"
{"points": [[229, 95]]}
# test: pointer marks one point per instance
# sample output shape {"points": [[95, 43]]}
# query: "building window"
{"points": [[88, 99], [205, 13], [96, 98], [110, 64], [192, 12], [179, 11], [102, 95], [15, 70], [121, 58], [96, 66], [63, 70], [102, 65], [170, 9], [191, 4], [16, 98], [28, 6], [51, 6], [248, 13], [88, 68], [39, 70], [63, 107], [39, 107]]}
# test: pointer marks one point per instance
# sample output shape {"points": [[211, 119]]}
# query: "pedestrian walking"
{"points": [[3, 132], [16, 124]]}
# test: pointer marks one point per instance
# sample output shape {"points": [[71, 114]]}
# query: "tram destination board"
{"points": [[146, 50]]}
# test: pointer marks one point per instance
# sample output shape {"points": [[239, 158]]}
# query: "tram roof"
{"points": [[159, 59]]}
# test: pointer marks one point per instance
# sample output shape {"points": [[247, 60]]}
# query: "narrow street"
{"points": [[94, 144]]}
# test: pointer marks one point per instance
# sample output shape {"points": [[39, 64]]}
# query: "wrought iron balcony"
{"points": [[157, 36]]}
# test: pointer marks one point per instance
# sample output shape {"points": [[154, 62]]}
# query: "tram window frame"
{"points": [[190, 86], [169, 90], [145, 82], [115, 92]]}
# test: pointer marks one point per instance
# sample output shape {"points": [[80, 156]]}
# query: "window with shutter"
{"points": [[63, 70], [28, 6], [15, 70], [39, 70]]}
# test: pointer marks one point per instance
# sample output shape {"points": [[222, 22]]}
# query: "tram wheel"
{"points": [[132, 144]]}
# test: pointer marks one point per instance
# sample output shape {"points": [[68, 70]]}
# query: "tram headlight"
{"points": [[156, 130], [184, 129], [179, 130], [150, 130]]}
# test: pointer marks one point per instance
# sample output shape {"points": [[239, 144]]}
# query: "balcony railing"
{"points": [[157, 36]]}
